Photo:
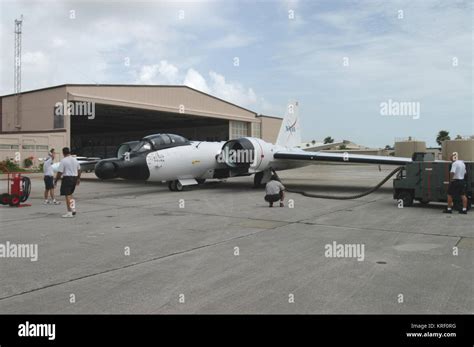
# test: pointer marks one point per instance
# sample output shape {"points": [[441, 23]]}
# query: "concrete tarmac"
{"points": [[136, 247]]}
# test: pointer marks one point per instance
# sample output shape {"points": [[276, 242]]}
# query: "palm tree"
{"points": [[443, 135], [328, 139]]}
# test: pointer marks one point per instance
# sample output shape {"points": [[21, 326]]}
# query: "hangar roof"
{"points": [[134, 86]]}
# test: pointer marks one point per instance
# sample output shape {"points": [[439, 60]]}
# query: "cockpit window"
{"points": [[143, 146], [177, 139], [166, 139], [127, 147], [134, 147], [159, 141]]}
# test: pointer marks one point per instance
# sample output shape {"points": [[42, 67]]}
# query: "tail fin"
{"points": [[290, 131]]}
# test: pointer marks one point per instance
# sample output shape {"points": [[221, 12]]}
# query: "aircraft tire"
{"points": [[175, 186]]}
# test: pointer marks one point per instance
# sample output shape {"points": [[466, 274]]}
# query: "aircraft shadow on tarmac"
{"points": [[306, 185], [303, 185]]}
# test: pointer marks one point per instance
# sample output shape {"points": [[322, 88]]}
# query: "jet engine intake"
{"points": [[237, 154]]}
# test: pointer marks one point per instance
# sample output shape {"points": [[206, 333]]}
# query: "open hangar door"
{"points": [[99, 136]]}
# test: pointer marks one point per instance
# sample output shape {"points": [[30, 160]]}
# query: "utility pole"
{"points": [[17, 76]]}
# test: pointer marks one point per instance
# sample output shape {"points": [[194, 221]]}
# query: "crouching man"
{"points": [[70, 170], [274, 191]]}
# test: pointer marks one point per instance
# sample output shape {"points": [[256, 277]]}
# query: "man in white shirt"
{"points": [[70, 170], [457, 185], [49, 179], [274, 191]]}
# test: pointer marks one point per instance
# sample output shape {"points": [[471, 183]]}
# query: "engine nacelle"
{"points": [[246, 155]]}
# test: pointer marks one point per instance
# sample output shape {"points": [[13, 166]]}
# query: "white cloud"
{"points": [[195, 80], [234, 92], [407, 59], [161, 73], [216, 84], [92, 47]]}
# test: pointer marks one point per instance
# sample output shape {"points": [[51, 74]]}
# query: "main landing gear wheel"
{"points": [[175, 186]]}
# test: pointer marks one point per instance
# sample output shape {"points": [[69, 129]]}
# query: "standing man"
{"points": [[70, 170], [274, 191], [456, 184], [49, 179]]}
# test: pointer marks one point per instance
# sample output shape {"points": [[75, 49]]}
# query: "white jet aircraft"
{"points": [[180, 162]]}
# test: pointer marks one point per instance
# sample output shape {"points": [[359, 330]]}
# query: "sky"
{"points": [[341, 60]]}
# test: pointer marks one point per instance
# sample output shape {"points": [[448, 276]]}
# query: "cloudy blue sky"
{"points": [[339, 59]]}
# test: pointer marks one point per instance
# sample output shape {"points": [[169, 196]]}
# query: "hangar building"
{"points": [[94, 119]]}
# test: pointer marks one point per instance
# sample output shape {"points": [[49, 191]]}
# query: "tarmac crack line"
{"points": [[132, 264], [383, 230]]}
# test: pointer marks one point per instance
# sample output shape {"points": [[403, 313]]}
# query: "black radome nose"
{"points": [[106, 170]]}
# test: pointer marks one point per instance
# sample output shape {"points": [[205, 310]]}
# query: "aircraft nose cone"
{"points": [[106, 170]]}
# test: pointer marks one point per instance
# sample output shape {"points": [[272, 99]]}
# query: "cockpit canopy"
{"points": [[160, 141]]}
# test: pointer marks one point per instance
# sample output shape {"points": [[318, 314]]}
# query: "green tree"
{"points": [[342, 146], [388, 147], [442, 136], [313, 142], [328, 139]]}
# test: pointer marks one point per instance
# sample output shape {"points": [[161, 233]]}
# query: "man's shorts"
{"points": [[48, 182], [457, 188], [68, 184], [273, 197]]}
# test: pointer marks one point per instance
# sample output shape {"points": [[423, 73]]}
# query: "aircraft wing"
{"points": [[340, 157], [87, 164], [325, 146]]}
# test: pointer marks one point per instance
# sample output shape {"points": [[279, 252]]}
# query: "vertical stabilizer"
{"points": [[290, 131]]}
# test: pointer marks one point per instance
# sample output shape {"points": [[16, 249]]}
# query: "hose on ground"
{"points": [[347, 197]]}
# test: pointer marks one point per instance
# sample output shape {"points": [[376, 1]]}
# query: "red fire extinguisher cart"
{"points": [[18, 189]]}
